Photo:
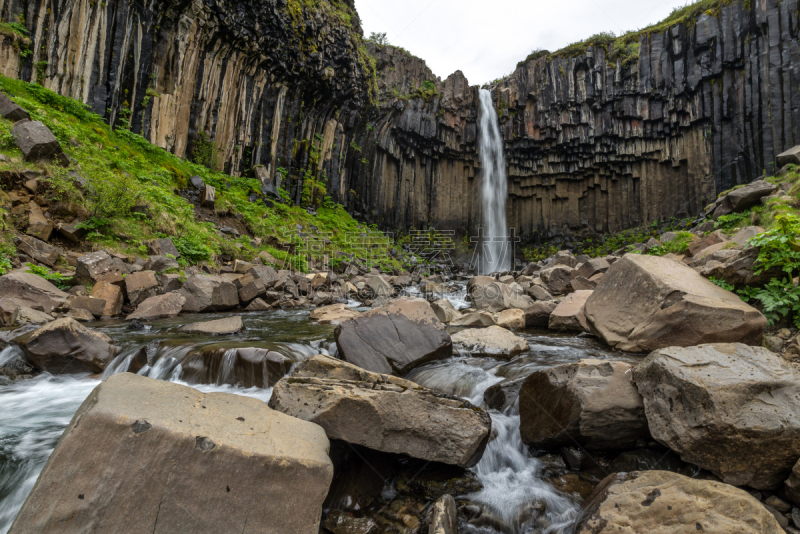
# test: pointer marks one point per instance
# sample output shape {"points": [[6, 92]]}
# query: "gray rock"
{"points": [[11, 111], [162, 247], [35, 140], [503, 395], [790, 157], [729, 408], [159, 307], [141, 286], [209, 293], [99, 267], [64, 346], [38, 250], [494, 341], [160, 264], [33, 291], [538, 315]]}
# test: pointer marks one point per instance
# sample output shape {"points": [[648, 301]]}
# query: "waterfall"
{"points": [[495, 252]]}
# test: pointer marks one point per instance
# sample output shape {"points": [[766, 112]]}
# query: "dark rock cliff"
{"points": [[595, 141]]}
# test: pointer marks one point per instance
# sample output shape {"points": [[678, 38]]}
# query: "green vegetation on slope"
{"points": [[122, 170]]}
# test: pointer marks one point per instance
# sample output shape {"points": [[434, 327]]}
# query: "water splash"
{"points": [[496, 254]]}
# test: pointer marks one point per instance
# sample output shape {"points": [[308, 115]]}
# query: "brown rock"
{"points": [[475, 320], [792, 485], [141, 286], [558, 279], [258, 305], [209, 197], [245, 366], [112, 295], [38, 225], [64, 346], [513, 318], [30, 290], [228, 325], [159, 307], [444, 516], [94, 305], [209, 293], [39, 250], [333, 314], [493, 341], [99, 267], [568, 315], [538, 315]]}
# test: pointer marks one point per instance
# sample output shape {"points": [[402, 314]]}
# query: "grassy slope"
{"points": [[123, 170]]}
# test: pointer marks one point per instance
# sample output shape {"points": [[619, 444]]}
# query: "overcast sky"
{"points": [[486, 39]]}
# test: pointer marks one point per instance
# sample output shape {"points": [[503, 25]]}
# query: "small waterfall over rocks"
{"points": [[495, 252]]}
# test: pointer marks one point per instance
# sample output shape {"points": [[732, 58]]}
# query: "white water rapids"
{"points": [[496, 253]]}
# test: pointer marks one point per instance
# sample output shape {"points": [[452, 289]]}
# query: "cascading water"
{"points": [[496, 255]]}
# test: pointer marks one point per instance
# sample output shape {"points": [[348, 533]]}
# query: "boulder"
{"points": [[383, 412], [111, 294], [99, 267], [11, 111], [496, 297], [557, 278], [729, 408], [81, 315], [250, 288], [32, 291], [93, 305], [743, 198], [593, 267], [380, 287], [333, 314], [38, 250], [537, 292], [209, 293], [564, 257], [644, 303], [246, 367], [38, 225], [170, 283], [13, 313], [738, 270], [513, 318], [141, 286], [538, 315], [493, 341], [745, 234], [668, 503], [14, 365], [35, 140], [568, 315], [790, 157], [267, 274], [445, 311], [593, 403], [579, 283], [159, 307], [258, 305], [160, 264], [209, 197], [444, 516], [714, 238], [191, 461], [792, 485], [404, 335], [504, 394], [228, 325], [65, 346], [475, 320]]}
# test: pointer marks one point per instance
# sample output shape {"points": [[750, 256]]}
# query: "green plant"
{"points": [[679, 245], [779, 298], [5, 264], [192, 249], [779, 247], [203, 152], [734, 220], [378, 38], [722, 283], [58, 279], [95, 227]]}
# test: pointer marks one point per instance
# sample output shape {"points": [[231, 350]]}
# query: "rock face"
{"points": [[644, 303], [226, 446], [209, 293], [646, 501], [383, 412], [729, 408], [30, 290], [592, 402], [493, 341], [65, 346], [405, 335]]}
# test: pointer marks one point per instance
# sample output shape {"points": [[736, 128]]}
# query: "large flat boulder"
{"points": [[743, 198], [729, 408], [644, 303], [225, 326], [191, 462], [494, 341], [11, 111], [383, 412], [592, 402], [497, 296], [398, 338], [569, 315], [668, 503], [333, 314], [159, 307], [209, 293], [31, 290], [39, 250], [65, 346]]}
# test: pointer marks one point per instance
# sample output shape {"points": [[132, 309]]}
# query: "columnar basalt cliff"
{"points": [[597, 140]]}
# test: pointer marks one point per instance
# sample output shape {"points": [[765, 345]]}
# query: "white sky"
{"points": [[486, 39]]}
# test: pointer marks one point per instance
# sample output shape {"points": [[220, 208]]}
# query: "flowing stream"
{"points": [[516, 499], [496, 254]]}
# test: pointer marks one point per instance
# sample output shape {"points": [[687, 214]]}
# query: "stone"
{"points": [[197, 182], [333, 314], [93, 305], [445, 311], [251, 289], [163, 247], [32, 291], [792, 485], [669, 503], [538, 293], [728, 408], [398, 338], [71, 232], [228, 325], [745, 234], [790, 157], [504, 394], [35, 140], [538, 315], [81, 315], [267, 274], [744, 198], [593, 403], [12, 313], [493, 341], [496, 297], [383, 412], [159, 264], [475, 320], [165, 446], [258, 305], [530, 269], [557, 278], [511, 319], [380, 287], [739, 270], [111, 294], [246, 367], [241, 267], [564, 257], [568, 315], [141, 286], [171, 282], [64, 346], [38, 225], [99, 267], [11, 111], [339, 522], [644, 303], [209, 293], [159, 307], [714, 238], [593, 267], [778, 503], [209, 197], [432, 480], [444, 516], [38, 250]]}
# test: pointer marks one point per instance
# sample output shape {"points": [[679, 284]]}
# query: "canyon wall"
{"points": [[596, 140]]}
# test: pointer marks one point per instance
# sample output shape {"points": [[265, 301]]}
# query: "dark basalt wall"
{"points": [[593, 145]]}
